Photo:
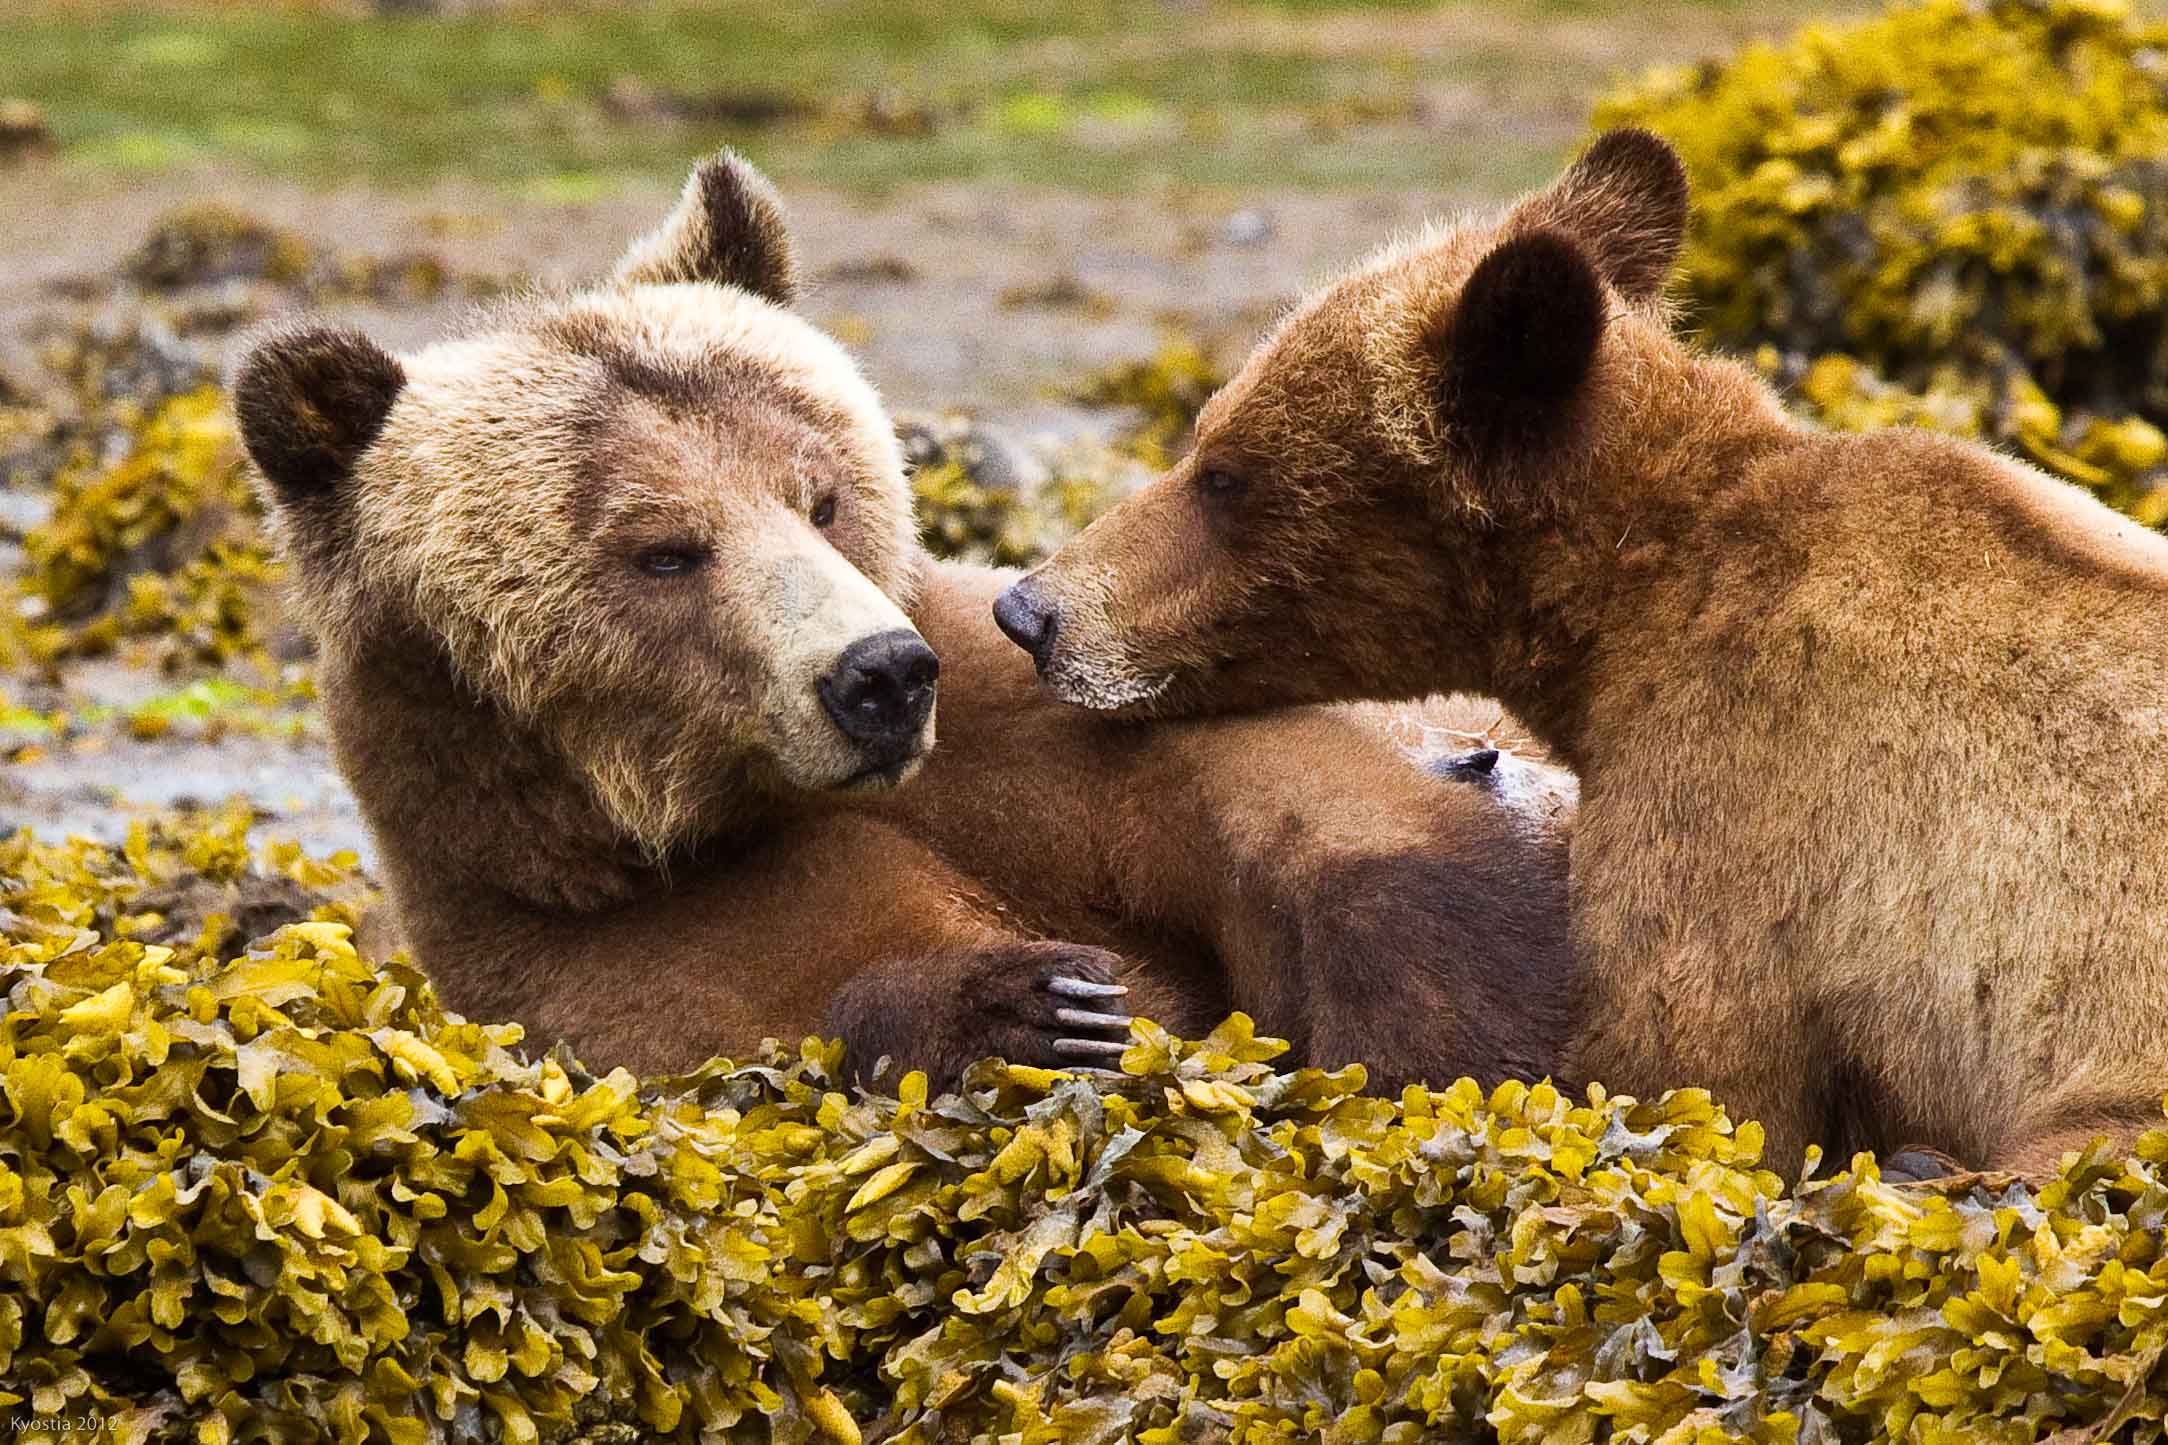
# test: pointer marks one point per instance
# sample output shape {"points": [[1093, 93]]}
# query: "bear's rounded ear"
{"points": [[310, 399], [1519, 341], [1625, 200], [728, 228]]}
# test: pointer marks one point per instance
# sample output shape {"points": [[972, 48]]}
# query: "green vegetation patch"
{"points": [[268, 1189], [1961, 205], [568, 100]]}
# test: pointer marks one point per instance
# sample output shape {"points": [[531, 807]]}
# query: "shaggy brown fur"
{"points": [[583, 575], [1869, 728]]}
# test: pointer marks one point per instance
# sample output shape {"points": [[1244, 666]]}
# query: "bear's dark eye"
{"points": [[669, 561], [824, 511], [1222, 484]]}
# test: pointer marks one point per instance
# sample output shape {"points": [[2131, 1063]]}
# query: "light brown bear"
{"points": [[631, 656], [1870, 729]]}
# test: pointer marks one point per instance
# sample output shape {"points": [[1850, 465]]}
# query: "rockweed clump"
{"points": [[1954, 214], [254, 1184]]}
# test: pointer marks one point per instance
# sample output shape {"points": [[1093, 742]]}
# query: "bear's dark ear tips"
{"points": [[728, 228], [1626, 198], [1642, 161], [1522, 337], [310, 399]]}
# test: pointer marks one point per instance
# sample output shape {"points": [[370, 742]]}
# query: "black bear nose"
{"points": [[1475, 767], [1027, 620], [880, 691], [1479, 763]]}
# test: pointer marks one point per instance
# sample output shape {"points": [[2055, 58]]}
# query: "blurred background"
{"points": [[1047, 230], [993, 193]]}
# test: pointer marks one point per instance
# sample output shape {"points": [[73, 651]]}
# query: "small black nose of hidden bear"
{"points": [[1027, 620], [1475, 767], [880, 691], [1478, 764]]}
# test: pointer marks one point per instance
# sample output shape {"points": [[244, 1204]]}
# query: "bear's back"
{"points": [[1901, 746]]}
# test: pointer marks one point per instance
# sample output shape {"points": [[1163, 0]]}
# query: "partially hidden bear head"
{"points": [[1325, 536], [661, 520]]}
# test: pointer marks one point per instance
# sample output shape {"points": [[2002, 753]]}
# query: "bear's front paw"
{"points": [[1053, 1005], [1050, 1005]]}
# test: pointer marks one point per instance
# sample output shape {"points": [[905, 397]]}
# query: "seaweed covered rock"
{"points": [[102, 374], [1968, 200], [983, 497], [164, 544], [1165, 391], [207, 244], [269, 1189], [123, 450]]}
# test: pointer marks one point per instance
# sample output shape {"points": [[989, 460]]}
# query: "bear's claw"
{"points": [[1079, 1052], [1084, 988], [1091, 1048], [1077, 1018]]}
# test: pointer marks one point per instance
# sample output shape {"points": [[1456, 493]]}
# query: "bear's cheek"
{"points": [[800, 612]]}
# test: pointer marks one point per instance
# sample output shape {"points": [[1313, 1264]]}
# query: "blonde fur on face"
{"points": [[486, 505]]}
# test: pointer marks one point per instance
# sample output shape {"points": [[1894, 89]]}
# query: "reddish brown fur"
{"points": [[1293, 866], [589, 819], [1869, 728]]}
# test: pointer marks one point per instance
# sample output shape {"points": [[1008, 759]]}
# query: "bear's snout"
{"points": [[880, 693], [1027, 619]]}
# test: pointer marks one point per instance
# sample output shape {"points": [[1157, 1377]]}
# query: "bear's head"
{"points": [[1325, 536], [661, 522]]}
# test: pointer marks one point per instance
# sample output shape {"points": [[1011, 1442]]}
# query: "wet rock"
{"points": [[987, 456], [881, 270], [126, 353], [252, 906], [221, 309], [632, 99], [1249, 227], [24, 132], [20, 511]]}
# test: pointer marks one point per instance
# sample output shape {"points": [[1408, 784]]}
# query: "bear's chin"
{"points": [[881, 779], [1118, 692], [1251, 683]]}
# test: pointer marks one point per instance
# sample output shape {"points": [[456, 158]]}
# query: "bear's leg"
{"points": [[1051, 1005], [1432, 964], [1756, 1062], [1361, 909]]}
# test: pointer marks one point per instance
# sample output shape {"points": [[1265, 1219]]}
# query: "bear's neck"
{"points": [[468, 806], [1630, 535]]}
